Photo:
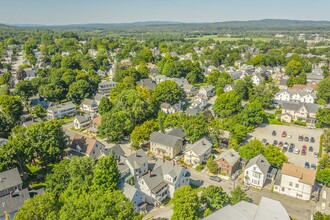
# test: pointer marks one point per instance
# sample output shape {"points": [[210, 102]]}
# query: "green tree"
{"points": [[59, 179], [323, 176], [11, 107], [212, 165], [253, 114], [39, 207], [141, 133], [319, 216], [168, 91], [323, 89], [186, 204], [207, 212], [237, 195], [38, 111], [274, 156], [115, 125], [106, 174], [227, 104], [78, 91], [104, 106], [251, 149], [293, 68], [238, 132], [195, 127], [214, 197], [25, 90], [323, 118]]}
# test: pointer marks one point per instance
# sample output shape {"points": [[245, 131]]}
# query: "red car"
{"points": [[303, 152], [304, 147], [284, 134], [280, 144]]}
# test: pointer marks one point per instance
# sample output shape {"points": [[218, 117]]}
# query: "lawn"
{"points": [[221, 39]]}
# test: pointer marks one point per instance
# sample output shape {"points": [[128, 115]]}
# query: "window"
{"points": [[254, 168], [283, 189], [256, 175], [247, 172], [290, 183], [297, 185]]}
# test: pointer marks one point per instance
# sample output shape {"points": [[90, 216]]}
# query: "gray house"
{"points": [[165, 144]]}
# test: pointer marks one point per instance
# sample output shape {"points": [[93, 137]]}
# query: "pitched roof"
{"points": [[200, 147], [137, 159], [267, 209], [164, 139], [261, 162], [87, 102], [12, 202], [65, 105], [177, 132], [306, 176], [130, 191], [88, 146], [115, 150], [81, 118], [294, 106], [98, 96], [9, 178], [97, 120], [148, 83], [231, 156]]}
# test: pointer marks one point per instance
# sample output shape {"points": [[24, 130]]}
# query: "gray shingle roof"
{"points": [[164, 139], [177, 132], [293, 106], [148, 83], [231, 156], [10, 178], [137, 159], [82, 119], [65, 105], [200, 147], [11, 203], [261, 162]]}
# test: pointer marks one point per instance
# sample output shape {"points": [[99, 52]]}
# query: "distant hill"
{"points": [[272, 23]]}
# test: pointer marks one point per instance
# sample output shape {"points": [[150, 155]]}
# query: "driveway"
{"points": [[265, 132]]}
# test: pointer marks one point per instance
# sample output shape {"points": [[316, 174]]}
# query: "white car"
{"points": [[296, 151]]}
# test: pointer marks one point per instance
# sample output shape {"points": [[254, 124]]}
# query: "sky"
{"points": [[57, 12]]}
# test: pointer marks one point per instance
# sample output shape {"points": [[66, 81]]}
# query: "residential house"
{"points": [[94, 124], [81, 121], [198, 152], [266, 210], [98, 97], [305, 112], [147, 83], [31, 122], [92, 52], [257, 171], [200, 101], [160, 78], [207, 91], [295, 181], [12, 195], [228, 162], [135, 196], [137, 163], [315, 76], [61, 110], [193, 111], [257, 79], [165, 144], [162, 181], [88, 105], [292, 95], [189, 89], [105, 87], [177, 132], [229, 87], [170, 109], [235, 74]]}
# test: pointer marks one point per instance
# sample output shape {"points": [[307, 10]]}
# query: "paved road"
{"points": [[160, 212]]}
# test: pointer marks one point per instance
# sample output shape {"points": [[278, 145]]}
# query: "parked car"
{"points": [[316, 155], [300, 137], [307, 165], [312, 140], [313, 166], [284, 134], [289, 136], [304, 147], [303, 152], [264, 140], [280, 144], [275, 142], [215, 178], [296, 151], [306, 139], [292, 145], [286, 144], [274, 133], [285, 148], [310, 149], [290, 150]]}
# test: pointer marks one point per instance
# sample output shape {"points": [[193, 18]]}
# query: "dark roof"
{"points": [[177, 132], [9, 178], [164, 139], [88, 146], [261, 162], [147, 83], [12, 202], [116, 150]]}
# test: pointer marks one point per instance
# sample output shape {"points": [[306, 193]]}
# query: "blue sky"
{"points": [[116, 11]]}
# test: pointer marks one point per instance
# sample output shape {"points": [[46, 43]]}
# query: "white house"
{"points": [[136, 197], [137, 163], [162, 181], [207, 91], [81, 121], [200, 101], [170, 109], [257, 171], [89, 105], [198, 152], [295, 181], [292, 95], [165, 144], [257, 79], [105, 87], [61, 110], [229, 87]]}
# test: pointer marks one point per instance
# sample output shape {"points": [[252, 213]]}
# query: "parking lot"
{"points": [[265, 132]]}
